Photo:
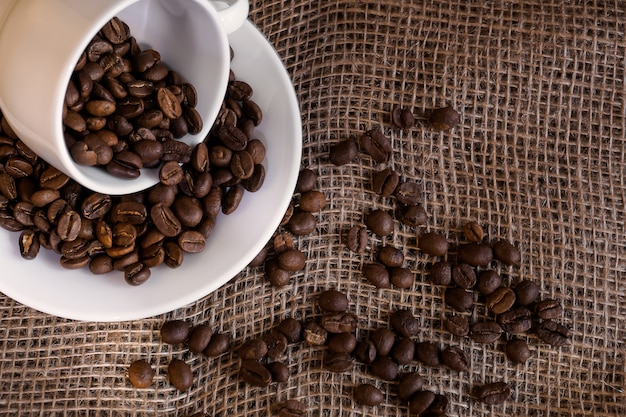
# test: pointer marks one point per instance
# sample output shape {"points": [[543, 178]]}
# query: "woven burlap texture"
{"points": [[538, 159]]}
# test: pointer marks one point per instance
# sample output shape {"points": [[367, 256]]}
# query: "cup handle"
{"points": [[233, 13]]}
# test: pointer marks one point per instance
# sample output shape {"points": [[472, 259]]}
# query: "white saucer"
{"points": [[77, 294]]}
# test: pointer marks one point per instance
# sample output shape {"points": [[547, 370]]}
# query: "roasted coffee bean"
{"points": [[380, 222], [232, 137], [342, 342], [337, 361], [153, 256], [193, 120], [444, 118], [401, 277], [125, 164], [174, 150], [279, 371], [506, 253], [218, 345], [408, 193], [136, 274], [385, 368], [292, 260], [459, 299], [377, 145], [475, 254], [517, 350], [123, 234], [485, 332], [252, 111], [343, 152], [515, 321], [368, 394], [18, 167], [232, 199], [365, 351], [473, 231], [501, 300], [96, 205], [464, 276], [488, 281], [390, 257], [404, 322], [174, 332], [383, 340], [276, 343], [526, 292], [307, 180], [140, 374], [356, 239], [239, 90], [312, 201], [188, 210], [548, 309], [199, 338], [165, 220], [291, 328], [332, 301], [282, 242], [553, 333], [290, 408], [220, 156], [255, 182], [7, 186], [433, 244], [242, 165], [314, 334], [256, 148], [302, 223], [180, 374], [253, 349], [494, 393], [24, 213], [441, 273], [385, 182], [403, 351], [255, 373], [413, 215], [420, 401], [150, 152], [455, 358], [408, 384], [277, 276], [51, 178], [74, 263], [168, 103], [68, 225], [457, 325], [339, 322], [428, 353], [402, 117], [29, 244], [191, 241]]}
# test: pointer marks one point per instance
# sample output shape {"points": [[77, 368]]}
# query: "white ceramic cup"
{"points": [[42, 40]]}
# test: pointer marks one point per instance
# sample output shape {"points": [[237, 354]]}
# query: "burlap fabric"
{"points": [[538, 159]]}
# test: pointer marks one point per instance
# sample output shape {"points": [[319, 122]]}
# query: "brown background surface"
{"points": [[539, 159]]}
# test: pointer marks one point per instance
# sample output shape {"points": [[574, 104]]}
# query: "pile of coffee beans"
{"points": [[124, 107], [136, 232], [198, 339]]}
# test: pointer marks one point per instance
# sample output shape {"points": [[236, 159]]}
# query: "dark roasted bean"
{"points": [[494, 393]]}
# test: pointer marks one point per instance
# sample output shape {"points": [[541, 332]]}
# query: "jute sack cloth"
{"points": [[538, 159]]}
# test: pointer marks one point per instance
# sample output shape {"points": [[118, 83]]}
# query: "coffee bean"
{"points": [[408, 384], [307, 180], [242, 165], [459, 299], [402, 117], [165, 220], [282, 242], [365, 351], [174, 332], [473, 231], [488, 281], [515, 321], [276, 344], [276, 275], [343, 152], [517, 350], [377, 275], [29, 244], [337, 361], [464, 276], [253, 349], [475, 254], [390, 257], [292, 260], [199, 338], [356, 238], [140, 374], [403, 351], [408, 193], [368, 394], [302, 223], [314, 334], [218, 345], [433, 244], [455, 358], [420, 401], [188, 210], [383, 340], [342, 342], [501, 300], [441, 273], [401, 277], [68, 225], [457, 325], [384, 368], [380, 222], [255, 373], [553, 333], [527, 292], [548, 309], [333, 301], [385, 182], [506, 253], [279, 371], [413, 215], [428, 353], [256, 148], [339, 322], [404, 322], [485, 332], [290, 408], [180, 374], [136, 273], [494, 393], [233, 138], [312, 201], [444, 118], [377, 145]]}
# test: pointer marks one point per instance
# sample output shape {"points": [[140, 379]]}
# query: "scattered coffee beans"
{"points": [[140, 374], [368, 394], [180, 374], [493, 394], [444, 118]]}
